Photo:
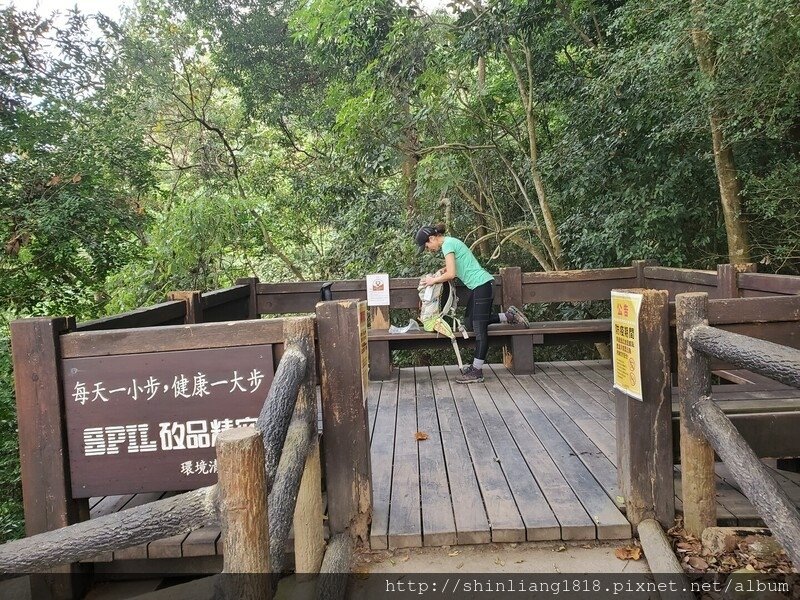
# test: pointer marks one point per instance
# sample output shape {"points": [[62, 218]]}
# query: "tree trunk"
{"points": [[525, 88], [730, 192], [480, 220], [410, 149], [729, 186]]}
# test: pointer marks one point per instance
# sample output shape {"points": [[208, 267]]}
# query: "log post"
{"points": [[518, 353], [309, 537], [332, 582], [252, 310], [243, 515], [299, 334], [44, 455], [644, 427], [194, 309], [344, 359], [770, 500], [697, 456]]}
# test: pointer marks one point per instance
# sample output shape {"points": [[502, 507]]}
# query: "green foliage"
{"points": [[11, 516]]}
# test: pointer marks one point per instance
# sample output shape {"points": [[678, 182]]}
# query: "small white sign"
{"points": [[378, 289]]}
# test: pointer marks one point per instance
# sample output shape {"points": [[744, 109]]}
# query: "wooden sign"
{"points": [[149, 422], [625, 342]]}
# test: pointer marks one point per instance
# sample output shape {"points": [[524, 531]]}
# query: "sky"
{"points": [[110, 8], [107, 7]]}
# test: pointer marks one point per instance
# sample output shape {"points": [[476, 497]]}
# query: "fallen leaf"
{"points": [[454, 553], [459, 565], [628, 553], [497, 561], [405, 558], [519, 562], [420, 435], [560, 549]]}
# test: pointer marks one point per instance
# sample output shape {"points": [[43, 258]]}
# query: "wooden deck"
{"points": [[517, 458]]}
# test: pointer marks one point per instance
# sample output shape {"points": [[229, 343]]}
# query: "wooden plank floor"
{"points": [[516, 458], [519, 457]]}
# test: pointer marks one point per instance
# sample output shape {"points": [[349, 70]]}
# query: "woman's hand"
{"points": [[428, 280]]}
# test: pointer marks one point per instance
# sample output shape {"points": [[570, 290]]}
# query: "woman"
{"points": [[460, 262]]}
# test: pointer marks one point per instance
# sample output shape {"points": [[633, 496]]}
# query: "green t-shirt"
{"points": [[468, 269]]}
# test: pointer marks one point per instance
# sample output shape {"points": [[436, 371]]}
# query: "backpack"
{"points": [[437, 311]]}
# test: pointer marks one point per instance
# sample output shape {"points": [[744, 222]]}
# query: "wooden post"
{"points": [[380, 357], [252, 311], [518, 356], [697, 455], [243, 514], [379, 317], [644, 427], [728, 279], [44, 456], [640, 267], [343, 349], [309, 538], [194, 309]]}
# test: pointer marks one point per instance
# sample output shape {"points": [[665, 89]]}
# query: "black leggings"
{"points": [[478, 316]]}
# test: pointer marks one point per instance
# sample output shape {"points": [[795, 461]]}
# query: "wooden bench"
{"points": [[518, 341]]}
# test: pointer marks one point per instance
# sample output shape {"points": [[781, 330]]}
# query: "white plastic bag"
{"points": [[412, 326]]}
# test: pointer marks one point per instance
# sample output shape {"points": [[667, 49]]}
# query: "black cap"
{"points": [[423, 235]]}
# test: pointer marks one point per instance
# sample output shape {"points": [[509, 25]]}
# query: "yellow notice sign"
{"points": [[625, 342]]}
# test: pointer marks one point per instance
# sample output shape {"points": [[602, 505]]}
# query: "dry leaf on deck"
{"points": [[421, 435], [628, 553]]}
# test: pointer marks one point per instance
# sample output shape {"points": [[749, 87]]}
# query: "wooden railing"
{"points": [[269, 478], [705, 429]]}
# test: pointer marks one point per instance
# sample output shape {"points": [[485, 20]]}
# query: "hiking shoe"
{"points": [[516, 317], [472, 375]]}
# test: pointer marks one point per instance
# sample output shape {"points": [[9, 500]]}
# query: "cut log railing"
{"points": [[707, 424], [254, 500]]}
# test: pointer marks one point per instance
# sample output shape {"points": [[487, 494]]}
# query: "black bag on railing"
{"points": [[325, 292]]}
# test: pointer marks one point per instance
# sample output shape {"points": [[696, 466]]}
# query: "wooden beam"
{"points": [[194, 307], [44, 455], [644, 427], [343, 350], [163, 339]]}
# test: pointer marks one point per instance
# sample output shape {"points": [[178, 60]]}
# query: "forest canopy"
{"points": [[197, 141]]}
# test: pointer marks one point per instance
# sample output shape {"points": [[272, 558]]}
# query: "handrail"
{"points": [[706, 429], [123, 529], [288, 422], [777, 362]]}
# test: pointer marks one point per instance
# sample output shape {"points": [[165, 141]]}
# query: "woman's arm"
{"points": [[446, 274]]}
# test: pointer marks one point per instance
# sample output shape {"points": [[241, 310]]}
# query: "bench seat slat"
{"points": [[539, 327]]}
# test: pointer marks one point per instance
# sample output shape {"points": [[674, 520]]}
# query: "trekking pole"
{"points": [[458, 354]]}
